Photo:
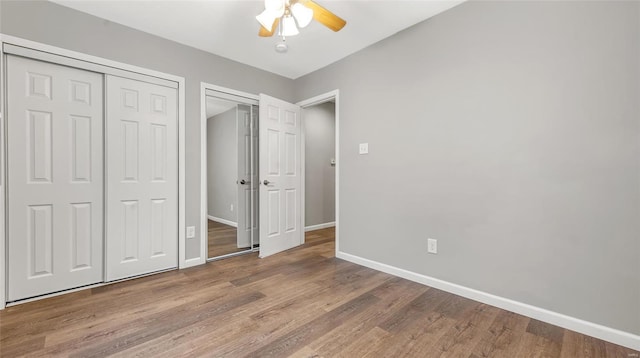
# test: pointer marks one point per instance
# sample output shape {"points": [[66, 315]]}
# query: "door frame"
{"points": [[97, 64], [203, 166], [319, 99]]}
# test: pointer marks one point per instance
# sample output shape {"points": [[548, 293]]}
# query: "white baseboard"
{"points": [[193, 262], [222, 221], [591, 329], [319, 226]]}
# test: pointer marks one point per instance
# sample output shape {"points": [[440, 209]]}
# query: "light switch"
{"points": [[364, 148], [191, 232]]}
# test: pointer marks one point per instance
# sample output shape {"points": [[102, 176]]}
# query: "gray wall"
{"points": [[222, 166], [509, 132], [320, 145], [63, 27]]}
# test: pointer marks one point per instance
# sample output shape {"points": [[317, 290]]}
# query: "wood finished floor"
{"points": [[300, 303], [222, 239]]}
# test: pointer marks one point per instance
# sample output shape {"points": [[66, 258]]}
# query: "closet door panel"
{"points": [[55, 177], [142, 178]]}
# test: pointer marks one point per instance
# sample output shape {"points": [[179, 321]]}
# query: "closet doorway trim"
{"points": [[222, 92], [40, 51]]}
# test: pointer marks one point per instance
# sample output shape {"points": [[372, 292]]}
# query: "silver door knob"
{"points": [[266, 182], [243, 182]]}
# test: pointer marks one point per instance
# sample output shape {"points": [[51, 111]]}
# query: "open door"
{"points": [[280, 176]]}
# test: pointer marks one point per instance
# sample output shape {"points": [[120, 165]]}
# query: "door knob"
{"points": [[243, 182], [266, 182]]}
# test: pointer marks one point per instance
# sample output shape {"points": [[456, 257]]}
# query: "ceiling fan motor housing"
{"points": [[281, 47]]}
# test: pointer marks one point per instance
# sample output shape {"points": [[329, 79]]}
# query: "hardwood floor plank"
{"points": [[306, 266], [59, 319], [546, 330], [301, 303], [467, 332], [130, 310], [363, 345], [501, 338], [22, 347], [254, 333], [421, 305], [167, 323], [613, 350], [293, 341], [456, 307], [332, 343], [305, 352], [418, 337], [123, 328], [534, 346]]}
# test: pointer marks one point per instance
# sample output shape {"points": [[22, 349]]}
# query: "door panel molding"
{"points": [[280, 176], [141, 196], [55, 210], [106, 66]]}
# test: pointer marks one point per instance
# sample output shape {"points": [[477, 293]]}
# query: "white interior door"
{"points": [[280, 174], [55, 177], [244, 176], [142, 178]]}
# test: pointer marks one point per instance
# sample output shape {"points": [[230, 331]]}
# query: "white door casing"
{"points": [[142, 178], [280, 175], [55, 181]]}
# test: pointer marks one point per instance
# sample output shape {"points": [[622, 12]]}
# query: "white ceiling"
{"points": [[229, 28]]}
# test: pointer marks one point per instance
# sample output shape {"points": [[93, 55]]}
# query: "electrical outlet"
{"points": [[231, 207], [432, 246], [191, 232], [364, 148]]}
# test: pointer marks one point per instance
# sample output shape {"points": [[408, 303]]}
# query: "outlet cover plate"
{"points": [[432, 246]]}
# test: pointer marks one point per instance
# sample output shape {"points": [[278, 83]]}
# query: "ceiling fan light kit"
{"points": [[266, 18], [302, 14], [289, 15], [288, 27]]}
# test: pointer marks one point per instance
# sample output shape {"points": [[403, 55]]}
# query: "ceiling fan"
{"points": [[289, 15]]}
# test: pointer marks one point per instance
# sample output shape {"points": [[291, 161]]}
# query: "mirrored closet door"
{"points": [[232, 168]]}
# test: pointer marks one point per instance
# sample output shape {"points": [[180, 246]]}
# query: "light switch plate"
{"points": [[364, 148], [191, 232]]}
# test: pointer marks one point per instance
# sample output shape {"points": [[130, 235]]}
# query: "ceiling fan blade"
{"points": [[265, 32], [324, 16]]}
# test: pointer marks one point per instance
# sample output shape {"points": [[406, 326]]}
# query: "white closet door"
{"points": [[55, 178], [142, 178]]}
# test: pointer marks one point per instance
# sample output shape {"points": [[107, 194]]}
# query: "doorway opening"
{"points": [[320, 118], [231, 177], [276, 213]]}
